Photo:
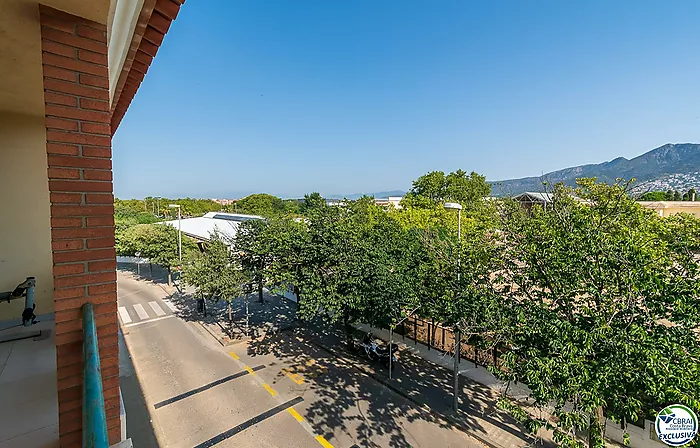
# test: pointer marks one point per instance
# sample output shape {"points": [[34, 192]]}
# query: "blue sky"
{"points": [[288, 97]]}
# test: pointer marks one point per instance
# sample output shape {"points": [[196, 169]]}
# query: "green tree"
{"points": [[264, 205], [676, 196], [360, 267], [292, 207], [254, 242], [601, 299], [130, 212], [690, 195], [654, 196], [289, 252], [189, 207], [312, 202], [157, 242], [458, 186], [430, 186], [215, 273]]}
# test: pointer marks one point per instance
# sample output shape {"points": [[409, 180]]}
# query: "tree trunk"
{"points": [[230, 319], [170, 277], [150, 268], [347, 327], [297, 295], [247, 317], [595, 429], [260, 291]]}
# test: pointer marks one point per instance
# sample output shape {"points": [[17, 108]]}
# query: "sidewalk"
{"points": [[430, 386], [272, 316]]}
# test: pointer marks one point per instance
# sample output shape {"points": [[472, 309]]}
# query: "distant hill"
{"points": [[671, 166], [380, 194]]}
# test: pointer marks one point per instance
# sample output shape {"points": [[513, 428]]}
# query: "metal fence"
{"points": [[437, 337]]}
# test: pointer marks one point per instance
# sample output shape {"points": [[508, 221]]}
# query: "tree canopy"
{"points": [[594, 302], [670, 195], [262, 204], [359, 267], [312, 202], [255, 243], [157, 242], [458, 186], [216, 272], [602, 302]]}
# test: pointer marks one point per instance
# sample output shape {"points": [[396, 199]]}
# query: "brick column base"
{"points": [[79, 152]]}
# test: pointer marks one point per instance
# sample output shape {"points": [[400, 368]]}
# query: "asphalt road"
{"points": [[278, 391]]}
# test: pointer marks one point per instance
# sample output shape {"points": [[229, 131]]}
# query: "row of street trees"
{"points": [[157, 242], [670, 195], [594, 303]]}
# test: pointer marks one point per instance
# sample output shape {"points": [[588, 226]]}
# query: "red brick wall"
{"points": [[79, 151]]}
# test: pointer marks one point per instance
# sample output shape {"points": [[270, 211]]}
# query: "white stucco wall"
{"points": [[25, 235]]}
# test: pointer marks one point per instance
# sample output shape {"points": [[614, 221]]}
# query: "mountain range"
{"points": [[668, 167]]}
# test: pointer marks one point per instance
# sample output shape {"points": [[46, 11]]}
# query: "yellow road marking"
{"points": [[295, 414], [324, 443], [251, 371], [233, 355], [294, 376], [269, 389]]}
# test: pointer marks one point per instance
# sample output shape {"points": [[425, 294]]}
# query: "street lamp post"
{"points": [[179, 230], [458, 207]]}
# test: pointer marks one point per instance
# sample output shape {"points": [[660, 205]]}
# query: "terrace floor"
{"points": [[28, 396]]}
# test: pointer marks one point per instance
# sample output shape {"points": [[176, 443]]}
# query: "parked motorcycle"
{"points": [[375, 352]]}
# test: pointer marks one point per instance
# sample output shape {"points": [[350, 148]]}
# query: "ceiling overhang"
{"points": [[147, 21]]}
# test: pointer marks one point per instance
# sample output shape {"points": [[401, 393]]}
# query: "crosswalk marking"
{"points": [[140, 311], [149, 321], [124, 314], [157, 309], [170, 305], [150, 312]]}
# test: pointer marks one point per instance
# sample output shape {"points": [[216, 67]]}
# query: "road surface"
{"points": [[277, 391]]}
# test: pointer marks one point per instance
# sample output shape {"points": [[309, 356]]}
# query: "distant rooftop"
{"points": [[530, 196], [231, 216], [203, 227]]}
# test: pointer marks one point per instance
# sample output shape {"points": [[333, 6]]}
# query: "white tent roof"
{"points": [[203, 227]]}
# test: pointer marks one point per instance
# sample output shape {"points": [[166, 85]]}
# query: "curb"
{"points": [[459, 425], [221, 341]]}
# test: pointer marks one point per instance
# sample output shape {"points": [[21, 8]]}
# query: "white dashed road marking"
{"points": [[124, 314], [140, 311], [157, 309], [170, 305]]}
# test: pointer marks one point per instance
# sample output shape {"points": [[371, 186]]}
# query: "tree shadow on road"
{"points": [[343, 382], [419, 389], [147, 272]]}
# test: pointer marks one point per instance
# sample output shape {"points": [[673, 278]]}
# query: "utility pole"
{"points": [[455, 392], [179, 230]]}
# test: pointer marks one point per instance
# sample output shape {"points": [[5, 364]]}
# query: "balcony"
{"points": [[67, 76]]}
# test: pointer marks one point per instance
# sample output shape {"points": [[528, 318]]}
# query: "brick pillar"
{"points": [[79, 151]]}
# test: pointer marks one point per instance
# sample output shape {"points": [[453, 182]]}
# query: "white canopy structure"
{"points": [[203, 227]]}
